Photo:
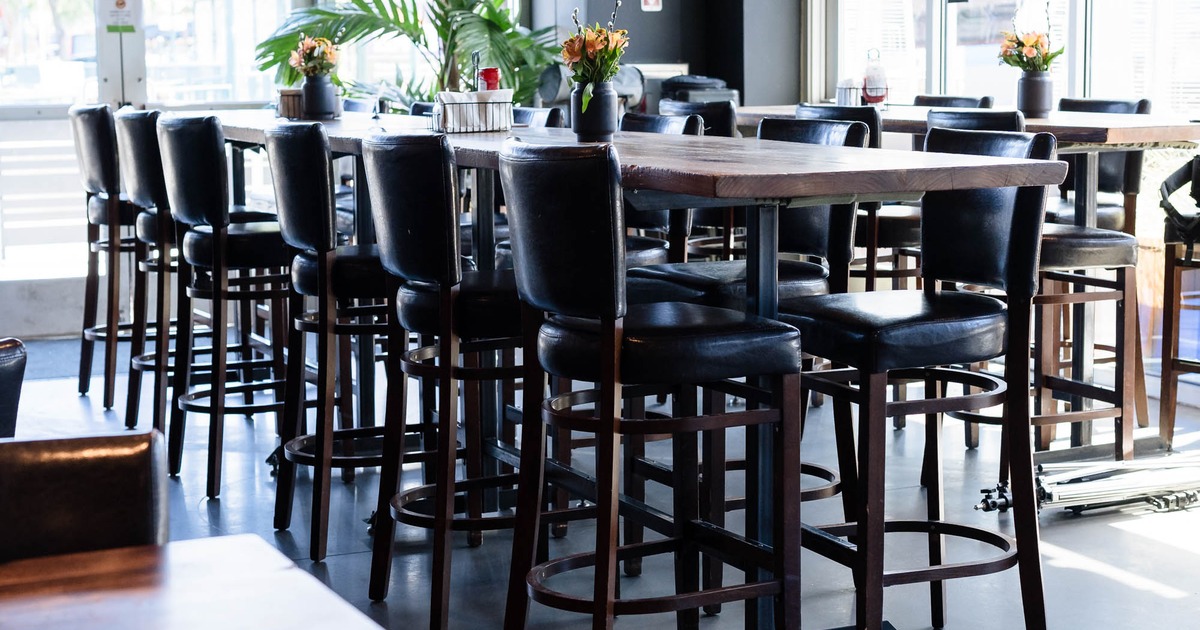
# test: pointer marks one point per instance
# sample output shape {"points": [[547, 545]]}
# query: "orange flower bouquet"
{"points": [[593, 53], [314, 56], [1029, 51]]}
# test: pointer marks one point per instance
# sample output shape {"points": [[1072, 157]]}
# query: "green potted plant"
{"points": [[444, 33]]}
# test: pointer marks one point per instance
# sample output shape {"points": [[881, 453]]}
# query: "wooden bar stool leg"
{"points": [[713, 489], [323, 435], [344, 401], [292, 423], [935, 510], [685, 469], [789, 401], [113, 318], [429, 411], [394, 429], [216, 421], [871, 446], [137, 345], [473, 438], [1172, 306], [447, 442], [91, 299], [1127, 340], [183, 361], [635, 484], [162, 340]]}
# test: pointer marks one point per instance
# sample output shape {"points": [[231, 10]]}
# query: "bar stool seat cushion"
{"points": [[899, 226], [673, 342], [146, 226], [723, 282], [639, 290], [885, 330], [1066, 247], [1110, 211], [97, 210], [357, 273], [487, 307], [639, 252], [252, 245]]}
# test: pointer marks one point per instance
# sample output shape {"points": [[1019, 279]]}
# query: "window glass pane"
{"points": [[47, 51], [897, 28], [973, 43], [203, 50], [1150, 60]]}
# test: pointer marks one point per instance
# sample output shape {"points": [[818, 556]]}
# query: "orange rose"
{"points": [[297, 60], [1030, 51], [1029, 39]]}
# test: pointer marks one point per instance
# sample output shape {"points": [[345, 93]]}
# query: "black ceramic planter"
{"points": [[598, 123], [318, 98], [1035, 94]]}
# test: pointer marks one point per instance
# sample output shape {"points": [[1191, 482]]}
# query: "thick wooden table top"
{"points": [[726, 168], [224, 582], [1072, 127]]}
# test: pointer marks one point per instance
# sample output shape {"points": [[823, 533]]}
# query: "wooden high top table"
{"points": [[669, 171], [224, 582]]}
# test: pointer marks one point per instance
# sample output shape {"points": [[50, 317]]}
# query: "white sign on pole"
{"points": [[120, 52]]}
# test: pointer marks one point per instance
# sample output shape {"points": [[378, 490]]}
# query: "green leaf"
{"points": [[587, 96]]}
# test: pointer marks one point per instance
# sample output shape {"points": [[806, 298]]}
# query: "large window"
{"points": [[47, 51], [898, 29]]}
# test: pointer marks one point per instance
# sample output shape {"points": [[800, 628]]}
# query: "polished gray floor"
{"points": [[1116, 568]]}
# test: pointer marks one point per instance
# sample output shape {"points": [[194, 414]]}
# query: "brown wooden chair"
{"points": [[109, 215], [468, 313], [567, 226], [973, 237], [82, 494]]}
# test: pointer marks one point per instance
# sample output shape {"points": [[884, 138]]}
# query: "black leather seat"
{"points": [[347, 282], [213, 251], [940, 100], [1067, 247], [976, 237], [1120, 172], [565, 213], [109, 213], [463, 317], [82, 494], [539, 116], [12, 374], [822, 232]]}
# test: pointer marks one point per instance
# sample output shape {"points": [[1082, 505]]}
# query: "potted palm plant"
{"points": [[444, 33]]}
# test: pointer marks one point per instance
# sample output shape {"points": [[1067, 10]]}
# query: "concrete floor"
{"points": [[1115, 568]]}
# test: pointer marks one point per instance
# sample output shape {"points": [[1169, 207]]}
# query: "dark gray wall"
{"points": [[754, 45]]}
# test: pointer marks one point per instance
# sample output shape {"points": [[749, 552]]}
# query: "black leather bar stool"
{"points": [[414, 203], [109, 214], [141, 165], [1120, 173], [12, 374], [1181, 231], [941, 100], [213, 248], [567, 223], [892, 227], [823, 233], [720, 119], [974, 237], [350, 288]]}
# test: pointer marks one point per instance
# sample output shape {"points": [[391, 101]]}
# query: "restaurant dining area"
{"points": [[704, 314]]}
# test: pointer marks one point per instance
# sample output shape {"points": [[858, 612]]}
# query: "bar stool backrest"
{"points": [[82, 494], [691, 125], [568, 227], [539, 116], [720, 117], [940, 100], [414, 201], [824, 231], [96, 148], [302, 173], [866, 114], [195, 169], [981, 120], [991, 236], [141, 160], [1120, 171]]}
